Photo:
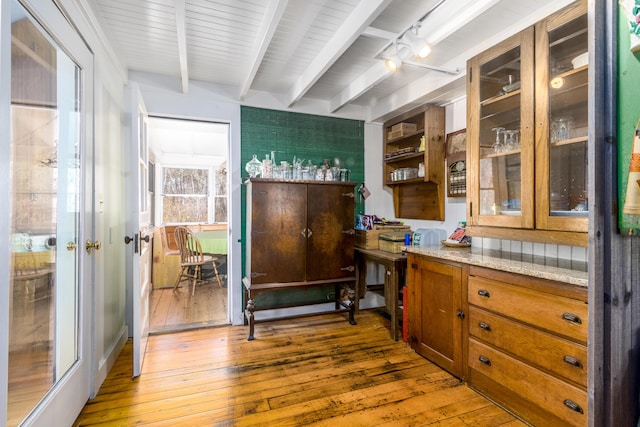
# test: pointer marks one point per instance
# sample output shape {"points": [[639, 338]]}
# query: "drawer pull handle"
{"points": [[573, 406], [485, 360], [484, 293], [572, 361], [484, 326], [570, 317]]}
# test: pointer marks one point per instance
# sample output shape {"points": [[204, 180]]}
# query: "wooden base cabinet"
{"points": [[527, 346], [436, 312]]}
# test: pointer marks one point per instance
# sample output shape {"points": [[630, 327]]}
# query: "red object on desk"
{"points": [[405, 326]]}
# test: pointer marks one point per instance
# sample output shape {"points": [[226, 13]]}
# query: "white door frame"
{"points": [[68, 396]]}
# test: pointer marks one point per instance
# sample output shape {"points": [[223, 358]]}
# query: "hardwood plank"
{"points": [[315, 370]]}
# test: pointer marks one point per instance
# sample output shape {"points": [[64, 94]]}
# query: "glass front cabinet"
{"points": [[527, 130]]}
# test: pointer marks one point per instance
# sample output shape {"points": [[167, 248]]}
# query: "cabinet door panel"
{"points": [[434, 327], [562, 139], [278, 225], [500, 134], [331, 231]]}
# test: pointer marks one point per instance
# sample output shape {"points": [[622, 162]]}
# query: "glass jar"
{"points": [[267, 168], [253, 167]]}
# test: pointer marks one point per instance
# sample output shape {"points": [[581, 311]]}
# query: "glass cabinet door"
{"points": [[500, 134], [561, 109]]}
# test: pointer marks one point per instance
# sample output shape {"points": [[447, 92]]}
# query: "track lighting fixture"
{"points": [[393, 62], [408, 44], [419, 46]]}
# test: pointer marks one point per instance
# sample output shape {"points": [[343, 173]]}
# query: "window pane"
{"points": [[184, 209], [185, 181], [221, 209], [221, 180]]}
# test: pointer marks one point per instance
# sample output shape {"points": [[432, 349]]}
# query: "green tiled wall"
{"points": [[305, 136]]}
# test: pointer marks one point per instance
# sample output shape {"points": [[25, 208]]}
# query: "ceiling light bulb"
{"points": [[393, 62], [419, 46]]}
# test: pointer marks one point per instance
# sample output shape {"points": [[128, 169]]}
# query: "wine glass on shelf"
{"points": [[497, 145], [510, 140]]}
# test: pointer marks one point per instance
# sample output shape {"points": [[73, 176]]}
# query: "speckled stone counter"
{"points": [[552, 269]]}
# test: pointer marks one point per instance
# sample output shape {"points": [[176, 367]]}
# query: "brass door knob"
{"points": [[71, 246], [89, 245]]}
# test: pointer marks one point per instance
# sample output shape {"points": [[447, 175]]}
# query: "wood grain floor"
{"points": [[175, 310], [309, 371]]}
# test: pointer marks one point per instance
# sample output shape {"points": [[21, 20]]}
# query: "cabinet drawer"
{"points": [[556, 314], [552, 395], [557, 355]]}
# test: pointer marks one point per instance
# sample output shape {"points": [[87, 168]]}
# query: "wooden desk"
{"points": [[395, 271]]}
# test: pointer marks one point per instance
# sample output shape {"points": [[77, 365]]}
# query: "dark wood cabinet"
{"points": [[436, 311], [299, 234]]}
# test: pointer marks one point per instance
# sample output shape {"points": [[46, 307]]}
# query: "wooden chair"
{"points": [[192, 259]]}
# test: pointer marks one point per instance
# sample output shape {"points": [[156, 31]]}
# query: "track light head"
{"points": [[393, 62], [418, 45]]}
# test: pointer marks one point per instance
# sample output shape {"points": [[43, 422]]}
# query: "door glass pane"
{"points": [[568, 94], [45, 211], [500, 166]]}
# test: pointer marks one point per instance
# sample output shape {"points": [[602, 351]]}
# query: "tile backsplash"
{"points": [[546, 250]]}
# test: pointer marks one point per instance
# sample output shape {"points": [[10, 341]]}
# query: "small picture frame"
{"points": [[456, 145]]}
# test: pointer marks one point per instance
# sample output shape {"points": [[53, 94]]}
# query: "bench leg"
{"points": [[248, 313], [352, 306]]}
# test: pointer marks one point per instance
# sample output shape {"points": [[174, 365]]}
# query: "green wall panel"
{"points": [[308, 137], [628, 115]]}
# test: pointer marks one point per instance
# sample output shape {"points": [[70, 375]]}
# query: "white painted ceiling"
{"points": [[320, 55]]}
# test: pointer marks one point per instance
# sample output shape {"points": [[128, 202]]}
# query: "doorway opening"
{"points": [[188, 187]]}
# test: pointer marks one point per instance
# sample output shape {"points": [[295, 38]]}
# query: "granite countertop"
{"points": [[566, 271]]}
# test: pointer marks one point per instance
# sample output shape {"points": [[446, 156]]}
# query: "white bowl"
{"points": [[580, 60]]}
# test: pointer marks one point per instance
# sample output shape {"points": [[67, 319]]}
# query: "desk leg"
{"points": [[361, 280], [394, 302], [248, 313]]}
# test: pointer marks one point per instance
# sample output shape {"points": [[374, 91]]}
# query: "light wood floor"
{"points": [[316, 370], [176, 310]]}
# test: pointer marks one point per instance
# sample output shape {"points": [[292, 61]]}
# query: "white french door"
{"points": [[51, 217], [139, 231]]}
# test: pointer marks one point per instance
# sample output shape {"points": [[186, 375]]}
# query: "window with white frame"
{"points": [[192, 194]]}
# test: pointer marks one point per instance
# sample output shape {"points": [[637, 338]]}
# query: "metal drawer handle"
{"points": [[570, 317], [485, 360], [484, 293], [350, 268], [573, 406], [572, 361], [351, 231], [348, 195], [484, 326]]}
